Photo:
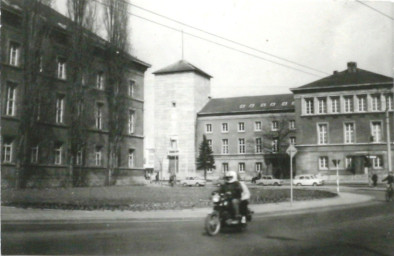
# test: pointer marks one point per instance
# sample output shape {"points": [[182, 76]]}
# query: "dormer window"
{"points": [[263, 105], [272, 104], [284, 103], [251, 105], [242, 106]]}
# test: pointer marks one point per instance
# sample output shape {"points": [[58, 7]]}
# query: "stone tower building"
{"points": [[181, 90]]}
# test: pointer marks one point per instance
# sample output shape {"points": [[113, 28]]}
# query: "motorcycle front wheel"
{"points": [[212, 224]]}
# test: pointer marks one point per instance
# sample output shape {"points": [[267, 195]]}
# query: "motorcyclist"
{"points": [[233, 186]]}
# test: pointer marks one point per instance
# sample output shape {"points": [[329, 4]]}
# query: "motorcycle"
{"points": [[389, 193], [223, 216]]}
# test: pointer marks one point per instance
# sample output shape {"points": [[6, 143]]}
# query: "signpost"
{"points": [[336, 163], [291, 151]]}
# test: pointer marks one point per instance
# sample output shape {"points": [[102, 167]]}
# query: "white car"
{"points": [[193, 181], [269, 180], [307, 180]]}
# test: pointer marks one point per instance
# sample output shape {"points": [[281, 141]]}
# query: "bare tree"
{"points": [[116, 27], [82, 13], [276, 140], [35, 31]]}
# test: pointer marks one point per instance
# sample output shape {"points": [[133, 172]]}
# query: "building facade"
{"points": [[48, 161], [181, 90], [343, 117], [248, 134]]}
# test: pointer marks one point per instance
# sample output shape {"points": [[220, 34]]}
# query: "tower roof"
{"points": [[181, 66]]}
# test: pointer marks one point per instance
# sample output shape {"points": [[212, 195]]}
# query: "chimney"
{"points": [[335, 72], [351, 67], [209, 97]]}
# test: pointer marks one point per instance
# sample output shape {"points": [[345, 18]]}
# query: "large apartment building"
{"points": [[248, 134], [49, 160], [347, 116]]}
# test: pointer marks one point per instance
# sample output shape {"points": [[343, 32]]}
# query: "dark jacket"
{"points": [[235, 189], [389, 178]]}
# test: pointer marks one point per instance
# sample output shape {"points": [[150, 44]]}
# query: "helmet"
{"points": [[230, 177]]}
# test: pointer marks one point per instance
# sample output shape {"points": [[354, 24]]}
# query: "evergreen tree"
{"points": [[205, 160]]}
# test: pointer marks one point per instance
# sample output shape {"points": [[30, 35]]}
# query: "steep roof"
{"points": [[249, 104], [181, 66], [349, 77]]}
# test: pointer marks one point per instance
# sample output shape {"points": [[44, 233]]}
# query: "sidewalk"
{"points": [[12, 214]]}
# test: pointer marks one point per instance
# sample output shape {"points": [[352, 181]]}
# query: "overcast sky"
{"points": [[322, 34]]}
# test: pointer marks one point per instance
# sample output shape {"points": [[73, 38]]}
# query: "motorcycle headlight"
{"points": [[215, 198]]}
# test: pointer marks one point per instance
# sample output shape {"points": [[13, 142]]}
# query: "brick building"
{"points": [[343, 117], [248, 134], [49, 154]]}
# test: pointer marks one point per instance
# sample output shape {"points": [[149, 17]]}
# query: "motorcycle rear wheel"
{"points": [[212, 224]]}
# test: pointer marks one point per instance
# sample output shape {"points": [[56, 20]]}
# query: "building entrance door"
{"points": [[173, 164]]}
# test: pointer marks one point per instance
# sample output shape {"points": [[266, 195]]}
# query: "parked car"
{"points": [[307, 180], [269, 180], [193, 181]]}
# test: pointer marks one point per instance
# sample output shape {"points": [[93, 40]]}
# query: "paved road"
{"points": [[361, 230]]}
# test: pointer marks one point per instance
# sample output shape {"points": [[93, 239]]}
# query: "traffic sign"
{"points": [[336, 162], [291, 150]]}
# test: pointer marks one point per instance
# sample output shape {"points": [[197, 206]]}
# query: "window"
{"points": [[376, 131], [241, 127], [292, 140], [242, 106], [130, 121], [40, 64], [349, 133], [58, 153], [98, 156], [224, 146], [323, 162], [100, 80], [131, 158], [322, 104], [131, 88], [60, 109], [322, 134], [348, 104], [61, 68], [34, 155], [257, 126], [348, 162], [99, 116], [259, 167], [275, 145], [377, 162], [263, 105], [11, 99], [272, 104], [84, 79], [7, 151], [225, 167], [362, 103], [284, 103], [258, 145], [14, 54], [376, 104], [241, 146], [309, 106], [291, 124], [335, 106], [389, 102], [275, 125], [209, 143], [174, 144], [79, 159], [208, 128], [251, 105], [241, 167], [224, 127]]}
